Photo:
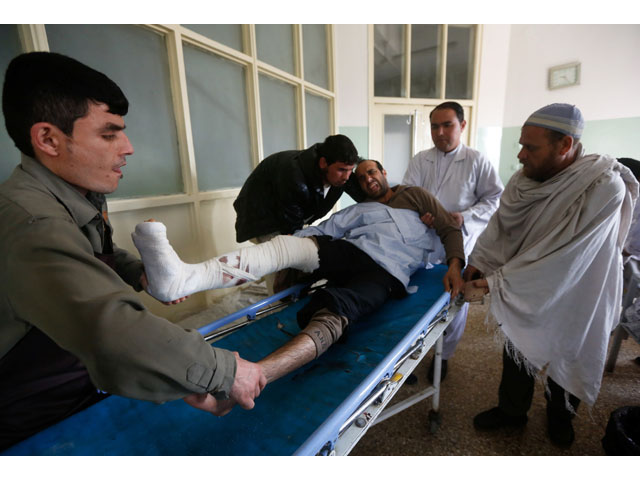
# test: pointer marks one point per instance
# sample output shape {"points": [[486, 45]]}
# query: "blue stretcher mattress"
{"points": [[287, 413]]}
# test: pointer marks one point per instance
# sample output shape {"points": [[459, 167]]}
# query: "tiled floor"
{"points": [[471, 386]]}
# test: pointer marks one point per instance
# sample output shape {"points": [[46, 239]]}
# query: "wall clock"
{"points": [[564, 75]]}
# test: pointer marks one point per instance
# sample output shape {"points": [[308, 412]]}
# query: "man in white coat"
{"points": [[551, 257], [466, 184]]}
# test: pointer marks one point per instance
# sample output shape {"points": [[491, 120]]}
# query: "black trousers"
{"points": [[40, 384], [516, 391], [357, 285]]}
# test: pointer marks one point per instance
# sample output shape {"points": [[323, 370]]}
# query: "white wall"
{"points": [[492, 83], [609, 55], [351, 75]]}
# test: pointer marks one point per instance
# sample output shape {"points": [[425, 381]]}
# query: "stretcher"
{"points": [[323, 408]]}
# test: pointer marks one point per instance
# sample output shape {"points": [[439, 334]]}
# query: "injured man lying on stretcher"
{"points": [[367, 252]]}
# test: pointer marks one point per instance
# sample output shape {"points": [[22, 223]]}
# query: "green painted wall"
{"points": [[360, 138], [616, 137], [488, 142], [509, 148]]}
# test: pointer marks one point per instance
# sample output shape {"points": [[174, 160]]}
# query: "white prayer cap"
{"points": [[560, 117]]}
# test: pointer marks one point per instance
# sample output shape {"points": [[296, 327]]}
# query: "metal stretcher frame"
{"points": [[340, 435], [322, 408]]}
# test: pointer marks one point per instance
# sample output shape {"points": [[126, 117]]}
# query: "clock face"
{"points": [[564, 76]]}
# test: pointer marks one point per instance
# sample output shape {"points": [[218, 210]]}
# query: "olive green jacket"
{"points": [[50, 279]]}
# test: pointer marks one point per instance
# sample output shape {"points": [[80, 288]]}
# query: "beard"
{"points": [[382, 191], [544, 171]]}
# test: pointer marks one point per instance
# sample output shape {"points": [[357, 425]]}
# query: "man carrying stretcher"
{"points": [[367, 252]]}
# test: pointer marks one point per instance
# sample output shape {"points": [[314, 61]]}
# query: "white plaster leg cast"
{"points": [[170, 278]]}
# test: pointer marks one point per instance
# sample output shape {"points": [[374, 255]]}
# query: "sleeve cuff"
{"points": [[224, 374]]}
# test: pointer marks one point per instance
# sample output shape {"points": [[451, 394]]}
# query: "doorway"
{"points": [[398, 132]]}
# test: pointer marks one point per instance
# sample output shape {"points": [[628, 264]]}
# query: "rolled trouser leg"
{"points": [[325, 328]]}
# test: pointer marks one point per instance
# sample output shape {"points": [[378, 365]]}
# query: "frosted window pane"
{"points": [[136, 59], [275, 46], [9, 48], [278, 115], [316, 70], [219, 119], [397, 146], [318, 118], [460, 59], [227, 34], [425, 61], [389, 61]]}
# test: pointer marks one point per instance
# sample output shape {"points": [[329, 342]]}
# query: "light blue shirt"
{"points": [[395, 238]]}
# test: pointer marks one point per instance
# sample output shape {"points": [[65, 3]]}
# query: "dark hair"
{"points": [[338, 148], [455, 106], [362, 160], [54, 88]]}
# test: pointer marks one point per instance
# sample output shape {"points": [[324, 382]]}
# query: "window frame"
{"points": [[33, 38], [376, 103]]}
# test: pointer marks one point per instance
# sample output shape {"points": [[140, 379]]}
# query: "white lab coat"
{"points": [[470, 186]]}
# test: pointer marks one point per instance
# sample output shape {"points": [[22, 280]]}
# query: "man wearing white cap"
{"points": [[551, 258]]}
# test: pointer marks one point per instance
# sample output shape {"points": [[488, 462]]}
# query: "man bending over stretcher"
{"points": [[367, 252]]}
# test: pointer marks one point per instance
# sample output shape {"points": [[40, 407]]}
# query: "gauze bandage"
{"points": [[170, 278]]}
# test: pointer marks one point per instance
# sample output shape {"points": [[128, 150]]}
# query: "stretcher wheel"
{"points": [[435, 419]]}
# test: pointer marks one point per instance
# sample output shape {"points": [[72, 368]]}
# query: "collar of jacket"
{"points": [[460, 153], [81, 208]]}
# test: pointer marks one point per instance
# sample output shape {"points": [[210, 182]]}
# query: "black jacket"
{"points": [[283, 193]]}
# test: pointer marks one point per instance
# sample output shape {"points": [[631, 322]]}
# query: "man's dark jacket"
{"points": [[283, 193]]}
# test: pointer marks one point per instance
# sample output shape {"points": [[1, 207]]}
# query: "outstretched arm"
{"points": [[247, 385], [476, 285], [453, 279]]}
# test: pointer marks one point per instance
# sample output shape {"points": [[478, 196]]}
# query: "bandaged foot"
{"points": [[170, 278]]}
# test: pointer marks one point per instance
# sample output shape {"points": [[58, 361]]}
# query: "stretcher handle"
{"points": [[382, 386], [419, 341], [372, 398]]}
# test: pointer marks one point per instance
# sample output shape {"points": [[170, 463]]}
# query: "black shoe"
{"points": [[495, 418], [443, 370], [560, 428], [411, 379]]}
